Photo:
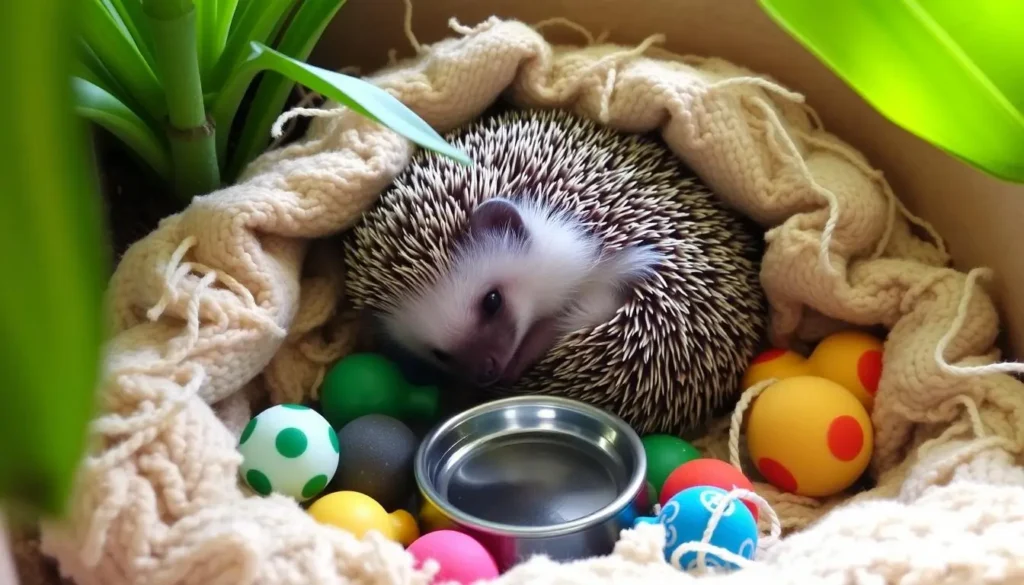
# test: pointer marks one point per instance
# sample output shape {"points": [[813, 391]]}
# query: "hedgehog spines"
{"points": [[674, 354]]}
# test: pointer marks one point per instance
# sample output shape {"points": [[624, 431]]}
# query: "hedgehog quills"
{"points": [[673, 356]]}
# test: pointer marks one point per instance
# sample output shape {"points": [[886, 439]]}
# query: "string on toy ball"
{"points": [[735, 424], [703, 547]]}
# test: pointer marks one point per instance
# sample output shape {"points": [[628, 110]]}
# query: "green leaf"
{"points": [[225, 18], [51, 229], [253, 25], [97, 105], [130, 12], [89, 66], [298, 41], [121, 57], [361, 96], [240, 11], [207, 29], [948, 72]]}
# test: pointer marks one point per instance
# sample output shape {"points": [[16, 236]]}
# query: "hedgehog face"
{"points": [[472, 320], [522, 276]]}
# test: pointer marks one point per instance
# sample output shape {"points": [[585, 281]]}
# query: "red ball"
{"points": [[707, 472]]}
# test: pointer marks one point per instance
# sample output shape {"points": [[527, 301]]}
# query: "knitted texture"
{"points": [[232, 299]]}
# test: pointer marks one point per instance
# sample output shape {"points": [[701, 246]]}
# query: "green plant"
{"points": [[52, 254], [168, 76], [119, 55], [948, 72]]}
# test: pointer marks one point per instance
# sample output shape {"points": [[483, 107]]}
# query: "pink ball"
{"points": [[461, 557]]}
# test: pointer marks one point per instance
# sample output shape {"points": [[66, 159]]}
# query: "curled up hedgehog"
{"points": [[571, 260]]}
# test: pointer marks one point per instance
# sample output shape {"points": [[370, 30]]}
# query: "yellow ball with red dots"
{"points": [[775, 363], [851, 359], [809, 436]]}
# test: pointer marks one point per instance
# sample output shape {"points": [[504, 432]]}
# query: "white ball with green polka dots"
{"points": [[289, 449]]}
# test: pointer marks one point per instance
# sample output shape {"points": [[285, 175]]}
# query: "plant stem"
{"points": [[172, 24]]}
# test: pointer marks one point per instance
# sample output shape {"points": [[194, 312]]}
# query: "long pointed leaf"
{"points": [[97, 105], [240, 10], [361, 96], [949, 72], [121, 57], [115, 17], [88, 61], [226, 14], [131, 16], [257, 24], [51, 232], [207, 13], [298, 41]]}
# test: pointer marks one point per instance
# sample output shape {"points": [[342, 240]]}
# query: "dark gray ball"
{"points": [[377, 459]]}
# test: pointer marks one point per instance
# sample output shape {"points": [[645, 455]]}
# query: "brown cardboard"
{"points": [[979, 216]]}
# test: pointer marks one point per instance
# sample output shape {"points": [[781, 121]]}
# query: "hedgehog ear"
{"points": [[497, 215], [605, 289]]}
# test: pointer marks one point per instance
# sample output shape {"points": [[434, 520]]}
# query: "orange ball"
{"points": [[775, 363], [432, 519], [809, 436], [404, 527], [707, 472], [853, 360]]}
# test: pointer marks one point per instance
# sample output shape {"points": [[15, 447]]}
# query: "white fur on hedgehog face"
{"points": [[556, 272]]}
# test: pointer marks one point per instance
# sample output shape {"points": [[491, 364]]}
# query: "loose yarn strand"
{"points": [[562, 21], [407, 29], [958, 322]]}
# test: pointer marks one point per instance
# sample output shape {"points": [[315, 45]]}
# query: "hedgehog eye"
{"points": [[491, 303], [441, 356]]}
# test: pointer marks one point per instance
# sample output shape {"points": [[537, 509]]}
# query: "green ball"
{"points": [[664, 454], [368, 383]]}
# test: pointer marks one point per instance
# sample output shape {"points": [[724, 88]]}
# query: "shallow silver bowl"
{"points": [[535, 475]]}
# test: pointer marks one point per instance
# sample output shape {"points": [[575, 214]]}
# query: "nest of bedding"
{"points": [[230, 300]]}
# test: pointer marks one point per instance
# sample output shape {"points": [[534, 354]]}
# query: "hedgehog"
{"points": [[571, 259]]}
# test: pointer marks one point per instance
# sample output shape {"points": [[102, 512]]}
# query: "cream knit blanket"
{"points": [[230, 297]]}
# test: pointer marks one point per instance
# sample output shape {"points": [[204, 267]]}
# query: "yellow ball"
{"points": [[404, 527], [432, 519], [851, 359], [355, 512], [775, 363], [809, 436]]}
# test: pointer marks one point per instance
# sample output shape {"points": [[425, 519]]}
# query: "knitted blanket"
{"points": [[237, 296]]}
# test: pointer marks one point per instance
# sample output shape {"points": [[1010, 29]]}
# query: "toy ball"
{"points": [[647, 497], [809, 436], [853, 360], [405, 529], [686, 517], [377, 459], [707, 472], [358, 513], [665, 453], [432, 519], [462, 559], [775, 363], [289, 449], [368, 383]]}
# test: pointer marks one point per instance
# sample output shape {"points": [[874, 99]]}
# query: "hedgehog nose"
{"points": [[488, 373]]}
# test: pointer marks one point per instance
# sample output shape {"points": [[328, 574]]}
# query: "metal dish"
{"points": [[535, 475]]}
